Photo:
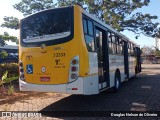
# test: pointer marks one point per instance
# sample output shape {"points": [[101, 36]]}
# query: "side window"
{"points": [[90, 43], [110, 43], [113, 43], [90, 27], [88, 34], [85, 25], [113, 38], [120, 46], [132, 49], [117, 45], [129, 48]]}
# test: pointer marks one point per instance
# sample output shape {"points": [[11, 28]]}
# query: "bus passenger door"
{"points": [[102, 53]]}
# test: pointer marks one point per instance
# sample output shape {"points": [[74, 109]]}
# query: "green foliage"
{"points": [[72, 2], [8, 73], [12, 69], [119, 14], [146, 50], [157, 53], [4, 77], [3, 54], [2, 41], [11, 22], [6, 37], [8, 80], [28, 7], [3, 80], [10, 89]]}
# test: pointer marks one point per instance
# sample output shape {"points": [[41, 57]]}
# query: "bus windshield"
{"points": [[46, 26]]}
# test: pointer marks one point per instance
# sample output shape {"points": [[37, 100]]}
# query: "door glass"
{"points": [[100, 54]]}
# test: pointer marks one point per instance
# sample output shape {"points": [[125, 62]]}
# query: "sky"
{"points": [[153, 9]]}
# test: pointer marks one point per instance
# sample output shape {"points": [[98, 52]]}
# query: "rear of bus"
{"points": [[52, 53]]}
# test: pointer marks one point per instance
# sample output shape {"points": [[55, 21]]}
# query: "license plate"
{"points": [[44, 79]]}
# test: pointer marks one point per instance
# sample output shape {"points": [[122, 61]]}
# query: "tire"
{"points": [[117, 82]]}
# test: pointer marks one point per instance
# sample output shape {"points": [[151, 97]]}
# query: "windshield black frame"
{"points": [[54, 41]]}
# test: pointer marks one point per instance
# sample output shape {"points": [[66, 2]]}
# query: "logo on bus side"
{"points": [[57, 61], [43, 69], [30, 69], [43, 46]]}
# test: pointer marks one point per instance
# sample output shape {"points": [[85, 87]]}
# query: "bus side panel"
{"points": [[112, 68], [116, 62], [91, 82], [131, 66], [120, 66], [93, 63], [91, 85]]}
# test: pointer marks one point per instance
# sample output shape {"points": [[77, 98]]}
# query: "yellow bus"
{"points": [[68, 50]]}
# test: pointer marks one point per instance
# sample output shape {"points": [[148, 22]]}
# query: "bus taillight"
{"points": [[20, 64], [21, 71], [74, 69], [74, 62], [74, 76]]}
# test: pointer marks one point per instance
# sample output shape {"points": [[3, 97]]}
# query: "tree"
{"points": [[6, 37], [28, 7], [11, 22], [2, 42], [157, 52], [120, 14], [147, 50], [3, 54]]}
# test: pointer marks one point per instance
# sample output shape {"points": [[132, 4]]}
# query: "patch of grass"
{"points": [[6, 88], [10, 90]]}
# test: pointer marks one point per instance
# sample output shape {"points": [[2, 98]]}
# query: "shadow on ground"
{"points": [[137, 94]]}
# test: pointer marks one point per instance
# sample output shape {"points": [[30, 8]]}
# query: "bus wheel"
{"points": [[117, 82]]}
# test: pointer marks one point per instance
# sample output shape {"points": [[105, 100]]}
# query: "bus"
{"points": [[68, 50]]}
